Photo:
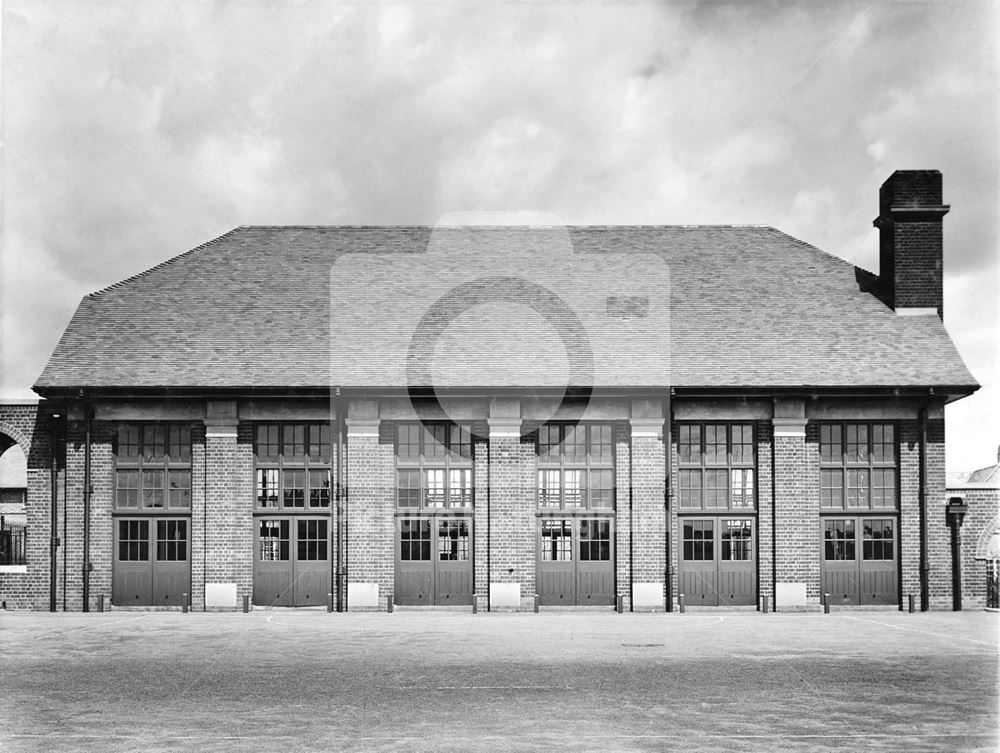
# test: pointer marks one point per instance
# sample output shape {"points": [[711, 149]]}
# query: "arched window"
{"points": [[13, 498]]}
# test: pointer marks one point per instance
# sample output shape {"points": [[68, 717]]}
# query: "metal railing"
{"points": [[993, 586], [13, 543]]}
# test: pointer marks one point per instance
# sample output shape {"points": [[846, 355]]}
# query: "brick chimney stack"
{"points": [[911, 242]]}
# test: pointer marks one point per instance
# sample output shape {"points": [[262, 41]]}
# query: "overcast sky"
{"points": [[135, 131]]}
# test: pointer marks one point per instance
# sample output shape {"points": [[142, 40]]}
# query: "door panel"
{"points": [[414, 584], [698, 570], [272, 577], [453, 566], [878, 561], [556, 572], [132, 578], [737, 576], [595, 584], [171, 566], [311, 574]]}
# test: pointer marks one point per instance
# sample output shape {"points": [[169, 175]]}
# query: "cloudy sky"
{"points": [[135, 131]]}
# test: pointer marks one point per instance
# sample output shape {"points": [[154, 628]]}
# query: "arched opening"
{"points": [[13, 502]]}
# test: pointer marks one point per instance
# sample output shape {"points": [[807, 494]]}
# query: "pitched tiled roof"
{"points": [[301, 307]]}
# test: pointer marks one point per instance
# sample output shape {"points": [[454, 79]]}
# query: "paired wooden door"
{"points": [[575, 564], [152, 565], [718, 566], [858, 560], [291, 561], [433, 560]]}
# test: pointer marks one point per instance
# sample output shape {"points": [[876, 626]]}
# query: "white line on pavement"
{"points": [[924, 632]]}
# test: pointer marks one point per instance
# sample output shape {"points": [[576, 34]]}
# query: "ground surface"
{"points": [[442, 681]]}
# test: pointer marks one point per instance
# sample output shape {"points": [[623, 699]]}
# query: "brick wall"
{"points": [[796, 508], [765, 512], [512, 469], [648, 513], [370, 525], [623, 520]]}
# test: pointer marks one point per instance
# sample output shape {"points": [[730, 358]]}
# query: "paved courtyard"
{"points": [[286, 681]]}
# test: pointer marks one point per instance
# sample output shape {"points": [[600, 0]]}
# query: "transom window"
{"points": [[153, 467], [858, 466], [434, 466], [293, 466], [717, 463], [576, 466]]}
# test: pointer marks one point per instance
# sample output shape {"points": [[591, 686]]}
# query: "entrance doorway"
{"points": [[858, 561], [434, 560], [291, 561], [575, 564], [717, 564], [152, 564]]}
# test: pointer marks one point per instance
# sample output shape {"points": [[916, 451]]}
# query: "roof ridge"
{"points": [[161, 265], [644, 226]]}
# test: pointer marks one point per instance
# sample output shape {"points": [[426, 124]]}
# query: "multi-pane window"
{"points": [[133, 540], [415, 539], [698, 539], [838, 539], [595, 540], [312, 540], [275, 540], [857, 466], [557, 540], [434, 466], [737, 539], [576, 466], [293, 466], [453, 540], [171, 540], [153, 467], [717, 464], [877, 539]]}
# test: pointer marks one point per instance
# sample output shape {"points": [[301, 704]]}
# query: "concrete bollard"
{"points": [[329, 602], [766, 605], [912, 604], [536, 603], [100, 603], [388, 604], [680, 603], [620, 604], [184, 603], [826, 603], [246, 604], [475, 604]]}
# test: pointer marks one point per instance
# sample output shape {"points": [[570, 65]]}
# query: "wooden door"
{"points": [[595, 577], [311, 567], [879, 575], [453, 564], [132, 574], [272, 574], [737, 567], [839, 571], [171, 571], [556, 567], [698, 568], [414, 584]]}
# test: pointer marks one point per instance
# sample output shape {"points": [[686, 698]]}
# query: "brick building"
{"points": [[492, 414]]}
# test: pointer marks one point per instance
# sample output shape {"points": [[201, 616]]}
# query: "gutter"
{"points": [[340, 499], [922, 501], [88, 416]]}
